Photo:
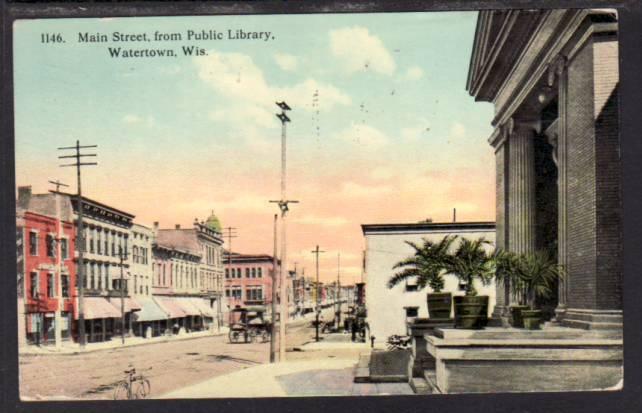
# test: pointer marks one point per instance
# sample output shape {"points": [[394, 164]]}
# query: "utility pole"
{"points": [[338, 294], [230, 234], [59, 266], [283, 206], [316, 252], [80, 239], [123, 256], [273, 303]]}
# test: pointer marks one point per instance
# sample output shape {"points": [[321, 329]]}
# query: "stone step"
{"points": [[420, 386]]}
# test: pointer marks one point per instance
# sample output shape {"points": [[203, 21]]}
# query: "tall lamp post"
{"points": [[283, 206]]}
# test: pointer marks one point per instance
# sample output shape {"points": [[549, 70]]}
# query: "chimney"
{"points": [[24, 196], [177, 226]]}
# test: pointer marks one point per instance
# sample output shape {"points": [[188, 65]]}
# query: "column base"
{"points": [[500, 317], [591, 319]]}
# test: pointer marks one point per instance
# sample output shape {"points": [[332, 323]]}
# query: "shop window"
{"points": [[51, 287], [33, 243], [51, 246]]}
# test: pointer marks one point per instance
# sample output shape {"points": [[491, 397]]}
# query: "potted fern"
{"points": [[507, 273], [427, 267], [469, 262]]}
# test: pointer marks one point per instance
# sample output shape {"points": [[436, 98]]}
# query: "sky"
{"points": [[382, 129]]}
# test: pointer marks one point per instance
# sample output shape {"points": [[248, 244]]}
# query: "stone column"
{"points": [[521, 188], [558, 71]]}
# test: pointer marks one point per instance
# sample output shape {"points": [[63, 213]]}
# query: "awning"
{"points": [[150, 311], [188, 306], [97, 307], [170, 306], [130, 304], [203, 307]]}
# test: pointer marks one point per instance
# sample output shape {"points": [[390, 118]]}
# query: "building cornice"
{"points": [[428, 226]]}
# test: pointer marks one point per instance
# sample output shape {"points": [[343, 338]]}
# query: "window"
{"points": [[33, 243], [260, 272], [113, 246], [51, 245], [64, 248], [33, 285], [51, 288], [99, 236], [91, 241], [253, 272], [227, 292], [106, 243], [147, 289], [247, 273], [239, 274], [411, 285], [99, 277], [412, 311], [227, 273], [64, 284], [92, 284]]}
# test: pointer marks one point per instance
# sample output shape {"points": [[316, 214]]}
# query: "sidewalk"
{"points": [[317, 376], [68, 348]]}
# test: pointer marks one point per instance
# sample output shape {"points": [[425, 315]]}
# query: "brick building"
{"points": [[556, 147], [248, 279], [552, 77], [46, 269]]}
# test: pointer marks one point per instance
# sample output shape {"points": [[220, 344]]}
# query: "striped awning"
{"points": [[170, 306], [203, 307], [130, 304], [188, 306], [97, 307], [150, 311]]}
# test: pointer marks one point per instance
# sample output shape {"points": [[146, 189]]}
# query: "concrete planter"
{"points": [[532, 319], [471, 312], [439, 305], [516, 319]]}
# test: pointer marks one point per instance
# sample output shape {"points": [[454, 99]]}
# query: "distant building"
{"points": [[389, 309], [248, 279]]}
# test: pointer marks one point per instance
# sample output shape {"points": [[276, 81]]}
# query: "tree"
{"points": [[427, 265]]}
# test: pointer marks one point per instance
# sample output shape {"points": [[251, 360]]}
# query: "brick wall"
{"points": [[581, 194], [594, 197], [608, 185]]}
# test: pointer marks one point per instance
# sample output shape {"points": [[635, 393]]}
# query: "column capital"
{"points": [[521, 125], [555, 69]]}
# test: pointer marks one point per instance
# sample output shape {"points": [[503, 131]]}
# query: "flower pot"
{"points": [[532, 319], [439, 305], [516, 319], [471, 312]]}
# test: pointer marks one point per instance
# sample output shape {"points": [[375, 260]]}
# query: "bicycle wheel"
{"points": [[121, 391], [143, 389]]}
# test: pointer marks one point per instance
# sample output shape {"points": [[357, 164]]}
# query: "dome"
{"points": [[213, 223]]}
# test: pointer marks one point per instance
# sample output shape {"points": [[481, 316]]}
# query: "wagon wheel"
{"points": [[253, 336], [234, 336]]}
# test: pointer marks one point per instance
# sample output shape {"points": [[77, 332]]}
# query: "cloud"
{"points": [[358, 190], [364, 135], [321, 221], [358, 50], [135, 119], [457, 130], [286, 61], [236, 77], [414, 73]]}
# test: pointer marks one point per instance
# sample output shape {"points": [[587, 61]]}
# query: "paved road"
{"points": [[174, 364]]}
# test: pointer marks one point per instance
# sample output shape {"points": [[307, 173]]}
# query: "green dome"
{"points": [[213, 223]]}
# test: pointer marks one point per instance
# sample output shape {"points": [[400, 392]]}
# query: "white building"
{"points": [[389, 309]]}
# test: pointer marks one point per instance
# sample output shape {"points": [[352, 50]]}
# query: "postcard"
{"points": [[348, 204]]}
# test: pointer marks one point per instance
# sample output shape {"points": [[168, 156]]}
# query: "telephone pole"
{"points": [[80, 240], [273, 303], [230, 234], [60, 264], [316, 252], [283, 206], [123, 256], [338, 294]]}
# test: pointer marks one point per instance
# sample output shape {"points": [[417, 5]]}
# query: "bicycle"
{"points": [[133, 386]]}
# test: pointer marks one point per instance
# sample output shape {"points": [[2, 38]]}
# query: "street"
{"points": [[174, 364]]}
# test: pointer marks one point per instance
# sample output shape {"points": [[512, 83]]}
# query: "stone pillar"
{"points": [[521, 188], [500, 144]]}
